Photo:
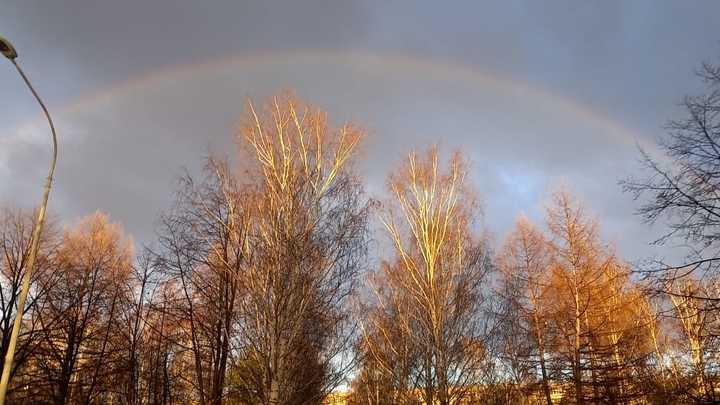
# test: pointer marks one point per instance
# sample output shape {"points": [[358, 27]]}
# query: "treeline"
{"points": [[260, 288]]}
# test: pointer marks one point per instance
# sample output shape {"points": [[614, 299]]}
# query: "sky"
{"points": [[536, 94]]}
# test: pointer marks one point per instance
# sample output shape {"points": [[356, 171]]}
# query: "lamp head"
{"points": [[7, 49]]}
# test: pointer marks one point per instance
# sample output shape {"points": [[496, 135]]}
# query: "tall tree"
{"points": [[204, 249], [308, 242], [434, 283], [16, 228], [595, 306], [682, 190], [684, 187], [524, 265], [135, 318], [76, 360]]}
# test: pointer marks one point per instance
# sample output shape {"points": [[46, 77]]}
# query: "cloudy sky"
{"points": [[537, 94]]}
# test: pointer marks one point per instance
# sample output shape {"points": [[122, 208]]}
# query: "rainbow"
{"points": [[405, 63]]}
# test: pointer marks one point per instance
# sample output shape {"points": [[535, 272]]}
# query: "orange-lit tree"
{"points": [[16, 227], [430, 293], [596, 307], [76, 361], [307, 244], [524, 270]]}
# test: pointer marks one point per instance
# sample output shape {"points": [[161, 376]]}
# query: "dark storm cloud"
{"points": [[630, 61]]}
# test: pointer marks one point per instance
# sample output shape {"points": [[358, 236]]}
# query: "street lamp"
{"points": [[8, 50]]}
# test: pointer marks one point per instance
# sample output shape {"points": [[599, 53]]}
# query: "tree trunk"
{"points": [[577, 366]]}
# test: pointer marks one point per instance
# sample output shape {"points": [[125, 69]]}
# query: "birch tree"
{"points": [[434, 282], [308, 240]]}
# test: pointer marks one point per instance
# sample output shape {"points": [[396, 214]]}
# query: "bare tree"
{"points": [[135, 315], [697, 326], [76, 359], [308, 242], [16, 227], [431, 292], [684, 189], [656, 375], [524, 265], [595, 307], [166, 363], [203, 241]]}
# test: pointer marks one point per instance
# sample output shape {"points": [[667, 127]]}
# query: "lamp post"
{"points": [[7, 49]]}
